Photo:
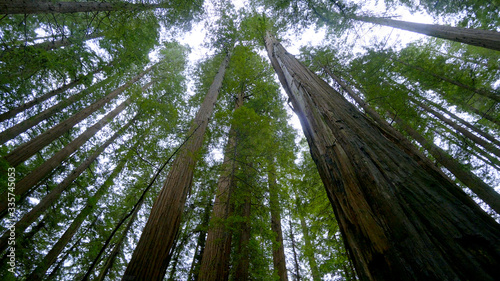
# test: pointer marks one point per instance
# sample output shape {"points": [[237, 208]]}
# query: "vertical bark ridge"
{"points": [[149, 258]]}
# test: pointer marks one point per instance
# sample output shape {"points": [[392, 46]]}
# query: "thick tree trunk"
{"points": [[279, 259], [477, 37], [459, 129], [309, 249], [55, 193], [29, 181], [13, 112], [148, 259], [481, 92], [26, 150], [399, 221], [20, 128], [215, 260], [38, 7]]}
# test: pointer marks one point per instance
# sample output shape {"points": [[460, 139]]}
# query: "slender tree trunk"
{"points": [[477, 37], [241, 272], [215, 260], [279, 259], [13, 112], [26, 150], [309, 250], [488, 146], [55, 193], [148, 259], [20, 128], [399, 221], [29, 181], [482, 92], [294, 250], [37, 7], [484, 115]]}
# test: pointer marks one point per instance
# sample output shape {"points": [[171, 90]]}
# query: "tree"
{"points": [[367, 198]]}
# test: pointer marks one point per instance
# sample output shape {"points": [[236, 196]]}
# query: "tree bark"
{"points": [[148, 259], [13, 112], [29, 181], [483, 38], [26, 150], [279, 259], [399, 221], [241, 272], [20, 128], [201, 243], [55, 193], [215, 260], [37, 7]]}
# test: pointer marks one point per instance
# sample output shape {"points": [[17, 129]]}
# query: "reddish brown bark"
{"points": [[148, 259], [398, 220], [26, 150], [215, 260], [243, 249], [37, 7], [279, 259]]}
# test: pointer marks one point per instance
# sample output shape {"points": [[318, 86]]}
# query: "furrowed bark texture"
{"points": [[37, 7], [279, 259], [29, 181], [215, 260], [55, 193], [477, 37], [149, 258], [398, 221], [21, 127]]}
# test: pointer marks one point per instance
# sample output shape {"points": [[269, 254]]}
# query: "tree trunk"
{"points": [[201, 243], [20, 128], [29, 181], [279, 259], [488, 146], [26, 150], [482, 92], [241, 272], [13, 112], [148, 259], [37, 7], [477, 37], [55, 193], [399, 221], [215, 260], [294, 250], [309, 249]]}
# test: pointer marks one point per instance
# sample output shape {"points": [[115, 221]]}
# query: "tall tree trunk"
{"points": [[29, 181], [482, 190], [309, 250], [294, 250], [399, 221], [26, 150], [477, 37], [241, 272], [279, 259], [148, 259], [459, 129], [13, 112], [37, 7], [215, 260], [21, 127], [55, 193], [482, 92]]}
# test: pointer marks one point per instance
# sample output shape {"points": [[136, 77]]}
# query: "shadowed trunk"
{"points": [[26, 150], [241, 272], [399, 221], [21, 127], [194, 271], [55, 193], [279, 259], [215, 260], [37, 7], [148, 259]]}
